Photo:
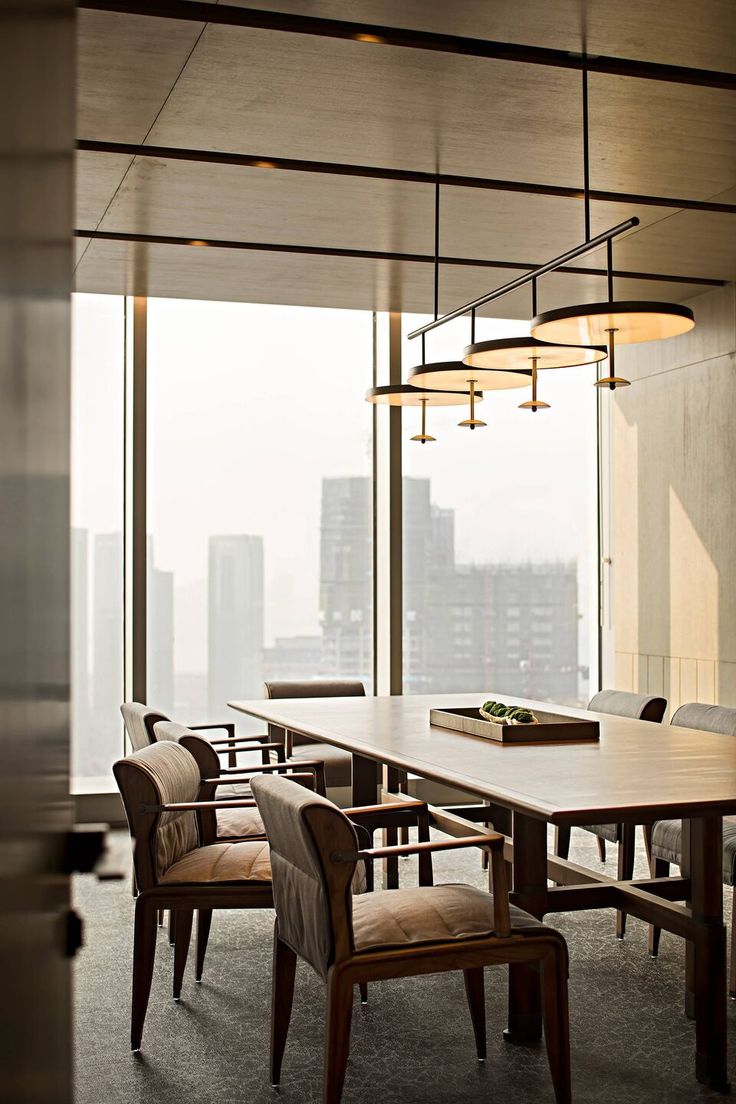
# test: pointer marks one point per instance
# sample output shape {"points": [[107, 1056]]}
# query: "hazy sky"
{"points": [[251, 406]]}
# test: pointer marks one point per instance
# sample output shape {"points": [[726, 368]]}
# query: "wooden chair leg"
{"points": [[475, 992], [626, 847], [161, 914], [556, 1022], [204, 920], [144, 953], [658, 869], [363, 986], [282, 997], [601, 848], [732, 968], [181, 947], [172, 927], [647, 833], [337, 1035]]}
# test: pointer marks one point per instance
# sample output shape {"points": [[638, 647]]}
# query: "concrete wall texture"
{"points": [[674, 511]]}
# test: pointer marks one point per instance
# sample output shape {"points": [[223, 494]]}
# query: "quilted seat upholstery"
{"points": [[428, 914], [222, 862], [239, 822]]}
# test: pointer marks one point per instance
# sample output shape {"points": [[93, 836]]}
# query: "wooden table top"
{"points": [[638, 771]]}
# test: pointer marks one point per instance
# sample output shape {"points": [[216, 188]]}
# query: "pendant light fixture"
{"points": [[403, 394], [617, 323], [610, 322], [512, 354]]}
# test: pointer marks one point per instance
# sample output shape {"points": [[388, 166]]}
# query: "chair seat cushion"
{"points": [[232, 792], [428, 914], [222, 862], [667, 845], [338, 763], [605, 831], [239, 822]]}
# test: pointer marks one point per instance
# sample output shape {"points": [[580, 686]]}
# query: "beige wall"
{"points": [[673, 476]]}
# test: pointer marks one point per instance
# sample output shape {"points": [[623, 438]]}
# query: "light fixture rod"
{"points": [[609, 266], [437, 248], [550, 266], [586, 153]]}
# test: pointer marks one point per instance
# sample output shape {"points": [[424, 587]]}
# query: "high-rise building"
{"points": [[160, 636], [346, 577], [235, 619]]}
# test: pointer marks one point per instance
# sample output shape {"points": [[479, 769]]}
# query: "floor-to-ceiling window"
{"points": [[500, 536], [97, 432], [260, 545]]}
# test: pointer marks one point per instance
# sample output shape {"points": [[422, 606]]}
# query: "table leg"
{"points": [[689, 944], [705, 847], [530, 893], [365, 781]]}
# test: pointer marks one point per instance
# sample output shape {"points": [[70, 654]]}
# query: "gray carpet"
{"points": [[631, 1042]]}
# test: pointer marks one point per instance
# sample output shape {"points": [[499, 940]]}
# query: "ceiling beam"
{"points": [[290, 164], [229, 15], [379, 255]]}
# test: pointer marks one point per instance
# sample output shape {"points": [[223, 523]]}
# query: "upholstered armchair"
{"points": [[642, 707], [664, 838], [140, 721], [338, 763], [160, 786], [351, 940]]}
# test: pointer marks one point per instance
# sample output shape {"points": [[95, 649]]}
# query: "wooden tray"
{"points": [[552, 727]]}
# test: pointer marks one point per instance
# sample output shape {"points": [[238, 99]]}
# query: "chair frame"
{"points": [[349, 968]]}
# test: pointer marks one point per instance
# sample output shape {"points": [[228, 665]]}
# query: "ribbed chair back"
{"points": [[139, 721], [312, 892], [310, 688], [161, 774], [707, 718], [621, 703]]}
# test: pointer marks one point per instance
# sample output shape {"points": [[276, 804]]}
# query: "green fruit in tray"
{"points": [[514, 714]]}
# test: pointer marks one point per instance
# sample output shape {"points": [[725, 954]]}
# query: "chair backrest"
{"points": [[310, 688], [159, 774], [621, 703], [312, 892], [139, 721], [708, 718], [208, 764]]}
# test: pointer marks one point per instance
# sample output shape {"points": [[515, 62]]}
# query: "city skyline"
{"points": [[512, 627]]}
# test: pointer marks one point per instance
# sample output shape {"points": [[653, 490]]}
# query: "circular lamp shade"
{"points": [[636, 320], [403, 394], [453, 375], [514, 353]]}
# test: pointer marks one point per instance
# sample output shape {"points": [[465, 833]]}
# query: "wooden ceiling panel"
{"points": [[661, 139], [671, 33], [251, 276], [97, 178], [126, 67], [275, 94]]}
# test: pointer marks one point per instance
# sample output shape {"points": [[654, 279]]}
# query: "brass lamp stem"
{"points": [[424, 419], [612, 381], [534, 404], [472, 421]]}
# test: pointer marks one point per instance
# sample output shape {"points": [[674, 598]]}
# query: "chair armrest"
{"points": [[226, 726], [257, 740], [314, 765], [243, 746], [198, 806], [494, 842], [388, 806]]}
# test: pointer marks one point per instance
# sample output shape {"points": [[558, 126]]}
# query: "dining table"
{"points": [[637, 772]]}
